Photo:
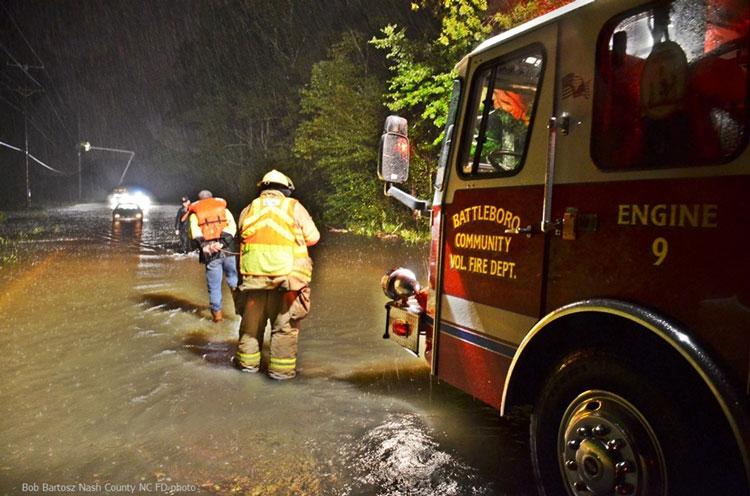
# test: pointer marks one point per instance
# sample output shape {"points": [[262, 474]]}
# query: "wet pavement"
{"points": [[115, 381]]}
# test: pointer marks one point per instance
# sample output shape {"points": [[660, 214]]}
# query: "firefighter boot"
{"points": [[282, 363], [217, 315]]}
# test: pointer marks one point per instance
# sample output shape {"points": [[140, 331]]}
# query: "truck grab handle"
{"points": [[413, 203]]}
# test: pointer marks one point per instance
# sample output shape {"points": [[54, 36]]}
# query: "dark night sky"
{"points": [[105, 71], [106, 65]]}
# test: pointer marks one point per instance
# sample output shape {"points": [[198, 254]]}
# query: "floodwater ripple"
{"points": [[114, 373]]}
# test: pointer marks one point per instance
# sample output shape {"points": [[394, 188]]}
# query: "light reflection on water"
{"points": [[113, 373]]}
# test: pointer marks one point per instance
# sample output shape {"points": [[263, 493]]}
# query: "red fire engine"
{"points": [[589, 254]]}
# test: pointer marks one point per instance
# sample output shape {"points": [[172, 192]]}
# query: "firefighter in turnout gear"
{"points": [[274, 232], [212, 227]]}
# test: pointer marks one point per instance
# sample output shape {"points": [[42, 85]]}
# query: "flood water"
{"points": [[114, 380]]}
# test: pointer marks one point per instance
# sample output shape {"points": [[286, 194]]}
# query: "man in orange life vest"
{"points": [[212, 227], [274, 232]]}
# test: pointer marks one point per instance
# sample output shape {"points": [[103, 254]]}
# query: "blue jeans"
{"points": [[214, 271]]}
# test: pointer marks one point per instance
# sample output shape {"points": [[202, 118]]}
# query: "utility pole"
{"points": [[87, 147], [26, 146], [26, 93], [78, 148]]}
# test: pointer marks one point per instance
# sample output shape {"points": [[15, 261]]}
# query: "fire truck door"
{"points": [[651, 191], [493, 255]]}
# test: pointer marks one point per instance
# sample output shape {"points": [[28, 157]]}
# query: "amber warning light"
{"points": [[402, 147]]}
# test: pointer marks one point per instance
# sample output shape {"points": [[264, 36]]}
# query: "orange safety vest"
{"points": [[271, 242], [211, 214]]}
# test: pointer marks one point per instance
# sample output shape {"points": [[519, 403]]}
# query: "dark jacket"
{"points": [[179, 224]]}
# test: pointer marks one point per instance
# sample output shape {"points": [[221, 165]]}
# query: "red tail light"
{"points": [[401, 328]]}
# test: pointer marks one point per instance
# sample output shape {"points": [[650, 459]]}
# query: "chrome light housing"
{"points": [[399, 283]]}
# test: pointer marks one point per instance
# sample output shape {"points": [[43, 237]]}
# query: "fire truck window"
{"points": [[503, 97], [671, 86]]}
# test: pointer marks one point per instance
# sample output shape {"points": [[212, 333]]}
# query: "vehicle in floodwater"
{"points": [[588, 256], [127, 212]]}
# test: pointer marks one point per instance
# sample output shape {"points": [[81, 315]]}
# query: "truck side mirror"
{"points": [[393, 159]]}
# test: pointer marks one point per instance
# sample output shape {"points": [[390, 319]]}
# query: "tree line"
{"points": [[318, 119], [304, 86]]}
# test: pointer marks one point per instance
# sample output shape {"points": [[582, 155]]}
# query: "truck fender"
{"points": [[548, 341]]}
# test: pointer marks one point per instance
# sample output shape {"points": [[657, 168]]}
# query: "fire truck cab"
{"points": [[589, 250]]}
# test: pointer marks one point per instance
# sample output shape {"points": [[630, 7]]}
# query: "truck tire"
{"points": [[605, 425]]}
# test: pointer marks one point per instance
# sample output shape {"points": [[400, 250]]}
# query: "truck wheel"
{"points": [[603, 426]]}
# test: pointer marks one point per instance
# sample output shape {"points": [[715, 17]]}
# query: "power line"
{"points": [[11, 104], [11, 147], [30, 120], [7, 78], [66, 128], [47, 166], [20, 66], [24, 37], [35, 159]]}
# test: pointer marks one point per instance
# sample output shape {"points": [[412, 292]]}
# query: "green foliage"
{"points": [[260, 94], [525, 11], [463, 22], [422, 73], [417, 86], [239, 119], [10, 250], [236, 94], [337, 139], [422, 69], [421, 77]]}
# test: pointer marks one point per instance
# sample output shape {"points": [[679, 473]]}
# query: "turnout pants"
{"points": [[284, 309]]}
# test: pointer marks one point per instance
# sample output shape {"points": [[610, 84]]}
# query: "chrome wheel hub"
{"points": [[606, 446]]}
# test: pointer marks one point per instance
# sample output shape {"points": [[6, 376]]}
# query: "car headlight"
{"points": [[141, 199]]}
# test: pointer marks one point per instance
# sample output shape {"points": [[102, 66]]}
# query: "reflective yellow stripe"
{"points": [[270, 239], [252, 219], [282, 363], [286, 210], [249, 220], [280, 230], [280, 211], [271, 223], [250, 359], [283, 360]]}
